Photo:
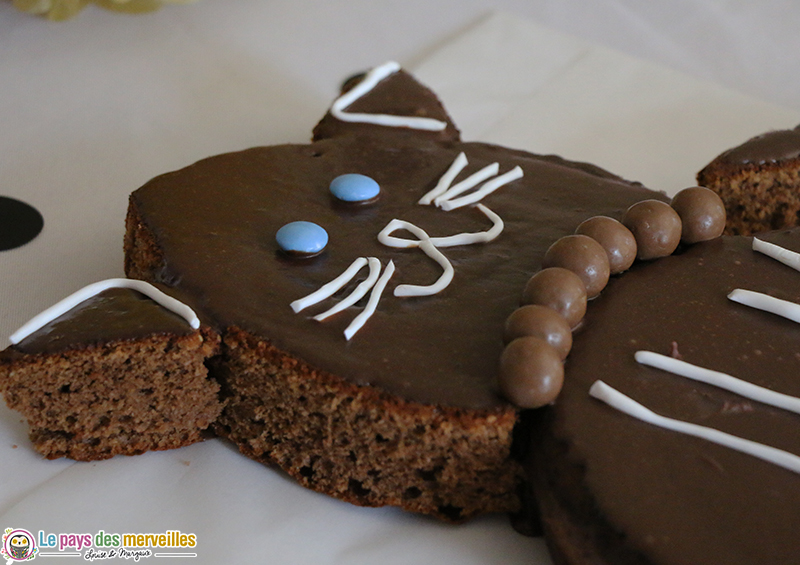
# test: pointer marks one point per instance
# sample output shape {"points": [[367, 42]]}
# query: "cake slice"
{"points": [[759, 182], [116, 374]]}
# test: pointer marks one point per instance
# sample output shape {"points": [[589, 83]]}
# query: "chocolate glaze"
{"points": [[770, 147], [215, 223], [114, 314], [674, 499]]}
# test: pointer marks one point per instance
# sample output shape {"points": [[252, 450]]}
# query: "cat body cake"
{"points": [[614, 489], [399, 406]]}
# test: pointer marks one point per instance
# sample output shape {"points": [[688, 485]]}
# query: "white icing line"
{"points": [[372, 78], [441, 283], [760, 301], [477, 237], [627, 405], [720, 380], [470, 182], [426, 244], [444, 182], [484, 191], [785, 256], [74, 299], [327, 290], [372, 303], [387, 239], [358, 292]]}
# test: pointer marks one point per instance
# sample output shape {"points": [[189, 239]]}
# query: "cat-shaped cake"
{"points": [[359, 347]]}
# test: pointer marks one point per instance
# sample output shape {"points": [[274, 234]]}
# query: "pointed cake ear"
{"points": [[390, 100]]}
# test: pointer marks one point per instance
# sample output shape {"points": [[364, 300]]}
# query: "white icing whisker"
{"points": [[785, 256], [719, 380], [470, 182], [444, 182], [372, 303], [760, 301], [483, 191], [358, 292], [329, 289], [627, 405], [371, 79], [76, 298]]}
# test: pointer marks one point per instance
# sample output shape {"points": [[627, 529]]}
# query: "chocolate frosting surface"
{"points": [[677, 499], [770, 147], [114, 314], [216, 220]]}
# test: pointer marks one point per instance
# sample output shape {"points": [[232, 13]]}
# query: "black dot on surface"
{"points": [[19, 223]]}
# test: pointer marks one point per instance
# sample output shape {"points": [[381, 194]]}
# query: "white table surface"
{"points": [[92, 108]]}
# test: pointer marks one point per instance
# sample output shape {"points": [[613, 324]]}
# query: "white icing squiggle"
{"points": [[387, 239], [426, 244], [785, 256], [372, 78], [627, 405], [372, 303], [74, 299], [760, 301], [719, 380]]}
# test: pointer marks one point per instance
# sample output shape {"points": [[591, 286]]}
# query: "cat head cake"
{"points": [[366, 364]]}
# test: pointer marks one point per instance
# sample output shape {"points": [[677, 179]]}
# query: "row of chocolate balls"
{"points": [[576, 268]]}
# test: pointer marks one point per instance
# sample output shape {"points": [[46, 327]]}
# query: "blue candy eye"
{"points": [[354, 188], [302, 238]]}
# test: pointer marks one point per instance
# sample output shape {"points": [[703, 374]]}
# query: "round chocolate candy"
{"points": [[542, 322], [302, 238], [702, 214], [559, 289], [531, 373], [354, 188], [656, 227], [616, 239], [583, 256]]}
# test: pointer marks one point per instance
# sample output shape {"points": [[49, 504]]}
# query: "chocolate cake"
{"points": [[116, 374], [759, 181], [612, 489], [394, 400]]}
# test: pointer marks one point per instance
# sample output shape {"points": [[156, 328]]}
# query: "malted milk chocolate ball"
{"points": [[656, 227], [702, 214], [615, 238], [583, 256], [542, 322]]}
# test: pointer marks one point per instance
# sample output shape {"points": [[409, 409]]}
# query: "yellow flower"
{"points": [[58, 10]]}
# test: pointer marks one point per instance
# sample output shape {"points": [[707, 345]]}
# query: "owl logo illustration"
{"points": [[18, 545]]}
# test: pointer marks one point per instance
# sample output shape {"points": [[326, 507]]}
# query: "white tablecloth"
{"points": [[92, 108]]}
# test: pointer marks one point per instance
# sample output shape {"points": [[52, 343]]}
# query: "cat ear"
{"points": [[389, 100]]}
